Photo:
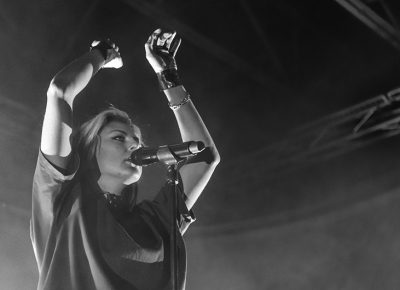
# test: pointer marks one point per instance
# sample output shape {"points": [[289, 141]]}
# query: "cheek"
{"points": [[100, 160], [111, 150], [107, 156]]}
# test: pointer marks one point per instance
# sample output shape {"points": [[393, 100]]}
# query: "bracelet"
{"points": [[177, 106], [168, 78], [103, 48]]}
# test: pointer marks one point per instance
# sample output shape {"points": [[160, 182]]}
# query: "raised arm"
{"points": [[160, 52], [64, 87]]}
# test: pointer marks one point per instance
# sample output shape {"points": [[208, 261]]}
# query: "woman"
{"points": [[86, 229]]}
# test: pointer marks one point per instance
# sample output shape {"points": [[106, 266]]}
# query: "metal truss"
{"points": [[261, 173], [385, 29], [352, 128], [346, 130]]}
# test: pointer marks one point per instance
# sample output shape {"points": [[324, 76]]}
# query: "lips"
{"points": [[130, 162]]}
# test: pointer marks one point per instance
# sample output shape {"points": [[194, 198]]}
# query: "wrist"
{"points": [[177, 97], [97, 57], [168, 78], [176, 106], [101, 47]]}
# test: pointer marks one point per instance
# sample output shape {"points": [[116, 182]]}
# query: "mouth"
{"points": [[129, 161]]}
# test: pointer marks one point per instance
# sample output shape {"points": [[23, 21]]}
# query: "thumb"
{"points": [[175, 45]]}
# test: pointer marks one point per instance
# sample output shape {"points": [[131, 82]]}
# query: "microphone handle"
{"points": [[167, 154], [187, 149]]}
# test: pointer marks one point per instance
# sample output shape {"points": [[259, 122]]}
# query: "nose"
{"points": [[134, 145]]}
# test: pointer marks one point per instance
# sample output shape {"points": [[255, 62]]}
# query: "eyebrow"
{"points": [[125, 133], [118, 130]]}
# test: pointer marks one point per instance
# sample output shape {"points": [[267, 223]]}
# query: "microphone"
{"points": [[168, 154]]}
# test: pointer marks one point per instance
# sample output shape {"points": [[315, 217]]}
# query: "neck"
{"points": [[110, 185]]}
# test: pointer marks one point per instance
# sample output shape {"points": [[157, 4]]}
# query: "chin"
{"points": [[134, 177]]}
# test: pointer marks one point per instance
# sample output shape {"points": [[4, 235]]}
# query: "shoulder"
{"points": [[46, 167]]}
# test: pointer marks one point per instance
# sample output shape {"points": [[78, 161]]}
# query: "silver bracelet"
{"points": [[177, 106]]}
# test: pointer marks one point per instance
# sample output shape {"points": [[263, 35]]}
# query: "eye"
{"points": [[119, 138]]}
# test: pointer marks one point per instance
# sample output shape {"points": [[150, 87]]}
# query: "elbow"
{"points": [[210, 155], [57, 89], [216, 158]]}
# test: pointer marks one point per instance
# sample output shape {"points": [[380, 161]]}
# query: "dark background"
{"points": [[256, 70]]}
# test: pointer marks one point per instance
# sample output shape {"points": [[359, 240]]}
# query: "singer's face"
{"points": [[117, 141]]}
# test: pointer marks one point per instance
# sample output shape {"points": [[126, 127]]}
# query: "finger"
{"points": [[115, 63], [149, 45], [115, 54], [156, 32], [116, 48], [156, 36], [153, 41], [120, 58], [175, 45], [170, 39], [163, 38], [160, 41], [147, 48], [166, 35], [120, 63], [95, 42]]}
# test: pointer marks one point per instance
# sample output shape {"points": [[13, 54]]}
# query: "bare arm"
{"points": [[160, 52], [195, 176], [64, 87]]}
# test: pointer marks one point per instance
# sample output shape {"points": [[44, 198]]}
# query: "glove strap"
{"points": [[168, 78], [103, 48]]}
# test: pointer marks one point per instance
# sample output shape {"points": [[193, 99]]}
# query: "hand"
{"points": [[110, 52], [161, 48]]}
